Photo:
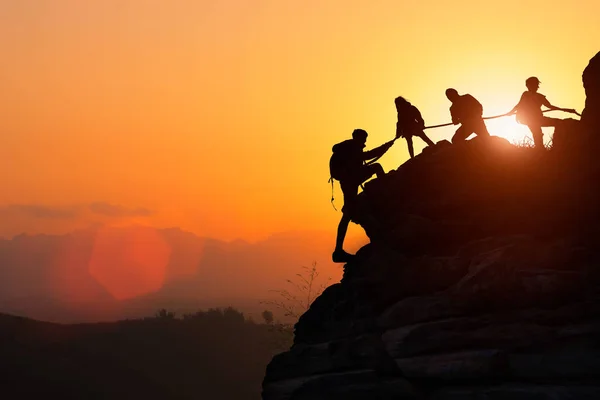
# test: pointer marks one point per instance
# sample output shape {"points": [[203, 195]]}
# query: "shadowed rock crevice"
{"points": [[481, 281]]}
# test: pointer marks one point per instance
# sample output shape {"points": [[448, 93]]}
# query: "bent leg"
{"points": [[481, 129], [339, 254], [341, 232], [538, 136], [547, 121], [423, 136], [367, 171], [461, 134], [350, 190], [374, 169], [409, 143]]}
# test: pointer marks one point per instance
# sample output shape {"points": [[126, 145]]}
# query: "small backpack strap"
{"points": [[331, 180]]}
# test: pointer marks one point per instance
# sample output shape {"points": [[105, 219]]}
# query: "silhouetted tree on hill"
{"points": [[164, 314], [305, 288]]}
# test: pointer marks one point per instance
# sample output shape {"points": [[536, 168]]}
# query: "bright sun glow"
{"points": [[510, 129]]}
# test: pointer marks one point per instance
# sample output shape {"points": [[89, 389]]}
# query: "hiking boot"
{"points": [[340, 256]]}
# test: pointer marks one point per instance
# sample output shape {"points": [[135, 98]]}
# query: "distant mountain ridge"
{"points": [[47, 277]]}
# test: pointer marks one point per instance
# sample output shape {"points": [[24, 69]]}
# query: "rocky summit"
{"points": [[481, 281]]}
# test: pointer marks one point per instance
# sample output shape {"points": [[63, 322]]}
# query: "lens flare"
{"points": [[129, 262]]}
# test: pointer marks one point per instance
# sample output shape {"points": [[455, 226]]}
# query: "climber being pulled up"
{"points": [[347, 165]]}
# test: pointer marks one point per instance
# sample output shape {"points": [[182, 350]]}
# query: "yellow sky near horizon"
{"points": [[219, 115]]}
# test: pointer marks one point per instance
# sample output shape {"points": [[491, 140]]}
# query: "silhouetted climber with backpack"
{"points": [[410, 123], [529, 111], [348, 165], [468, 112]]}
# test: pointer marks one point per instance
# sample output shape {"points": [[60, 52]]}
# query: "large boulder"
{"points": [[591, 83], [481, 281]]}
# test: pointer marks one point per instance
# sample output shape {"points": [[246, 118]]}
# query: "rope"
{"points": [[500, 116], [439, 126], [450, 123], [331, 180]]}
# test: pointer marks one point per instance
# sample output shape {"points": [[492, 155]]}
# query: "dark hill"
{"points": [[215, 354], [481, 281]]}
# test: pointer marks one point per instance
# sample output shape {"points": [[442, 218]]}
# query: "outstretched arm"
{"points": [[515, 108], [551, 107], [377, 152]]}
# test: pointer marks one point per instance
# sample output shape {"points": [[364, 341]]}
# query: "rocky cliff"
{"points": [[591, 84], [481, 281]]}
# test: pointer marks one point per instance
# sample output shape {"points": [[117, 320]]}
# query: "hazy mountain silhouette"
{"points": [[47, 277]]}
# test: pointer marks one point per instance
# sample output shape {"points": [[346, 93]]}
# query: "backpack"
{"points": [[473, 105], [338, 163]]}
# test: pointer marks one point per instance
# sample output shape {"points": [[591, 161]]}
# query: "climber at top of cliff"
{"points": [[410, 123], [468, 112], [529, 111]]}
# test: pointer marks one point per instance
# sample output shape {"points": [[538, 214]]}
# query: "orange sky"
{"points": [[218, 116]]}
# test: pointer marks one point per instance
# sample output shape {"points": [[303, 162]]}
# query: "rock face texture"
{"points": [[481, 281], [591, 83]]}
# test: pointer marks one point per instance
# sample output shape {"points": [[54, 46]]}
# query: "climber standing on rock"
{"points": [[529, 111], [410, 123], [348, 165], [468, 112]]}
